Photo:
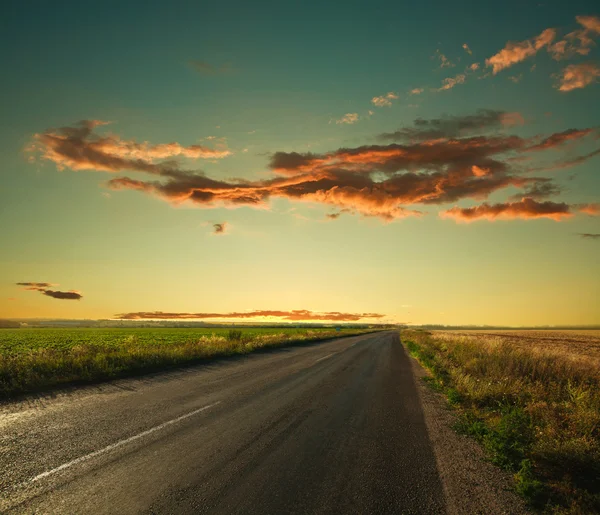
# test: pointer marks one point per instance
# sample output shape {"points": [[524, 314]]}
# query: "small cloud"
{"points": [[416, 91], [450, 82], [44, 289], [348, 118], [590, 236], [384, 100], [516, 78], [220, 228], [473, 67], [592, 209], [526, 208], [467, 49], [444, 61], [244, 150], [515, 52], [65, 295], [337, 214], [577, 76]]}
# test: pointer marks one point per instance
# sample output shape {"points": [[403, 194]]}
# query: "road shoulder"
{"points": [[471, 484]]}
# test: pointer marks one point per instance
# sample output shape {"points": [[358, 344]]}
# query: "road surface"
{"points": [[334, 427]]}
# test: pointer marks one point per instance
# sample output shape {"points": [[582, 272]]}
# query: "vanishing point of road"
{"points": [[332, 427]]}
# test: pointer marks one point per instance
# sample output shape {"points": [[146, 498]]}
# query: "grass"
{"points": [[535, 411], [38, 359]]}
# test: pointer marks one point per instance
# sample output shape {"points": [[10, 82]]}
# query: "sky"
{"points": [[411, 162]]}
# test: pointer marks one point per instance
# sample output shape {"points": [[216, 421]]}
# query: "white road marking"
{"points": [[119, 444], [325, 357]]}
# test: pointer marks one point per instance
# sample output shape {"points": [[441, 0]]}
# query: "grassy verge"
{"points": [[42, 359], [536, 413]]}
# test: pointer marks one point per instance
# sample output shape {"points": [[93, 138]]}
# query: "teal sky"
{"points": [[251, 80]]}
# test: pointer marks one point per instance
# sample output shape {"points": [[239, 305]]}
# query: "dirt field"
{"points": [[585, 343]]}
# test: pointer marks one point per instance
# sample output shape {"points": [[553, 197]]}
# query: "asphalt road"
{"points": [[335, 427]]}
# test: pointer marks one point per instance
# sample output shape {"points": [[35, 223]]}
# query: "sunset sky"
{"points": [[419, 162]]}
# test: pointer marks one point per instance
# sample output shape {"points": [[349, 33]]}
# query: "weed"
{"points": [[535, 411]]}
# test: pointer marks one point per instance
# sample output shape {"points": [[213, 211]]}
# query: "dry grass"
{"points": [[585, 343], [534, 403]]}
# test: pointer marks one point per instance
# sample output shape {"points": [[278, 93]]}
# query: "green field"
{"points": [[36, 359]]}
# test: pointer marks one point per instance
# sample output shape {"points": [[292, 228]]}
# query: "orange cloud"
{"points": [[79, 148], [384, 100], [515, 52], [467, 49], [434, 162], [416, 91], [348, 118], [578, 42], [444, 61], [294, 315], [450, 82], [526, 208], [590, 209], [577, 76]]}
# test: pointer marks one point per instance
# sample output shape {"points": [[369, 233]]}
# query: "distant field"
{"points": [[34, 359], [576, 342], [532, 398]]}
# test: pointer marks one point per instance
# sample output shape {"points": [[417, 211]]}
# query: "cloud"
{"points": [[384, 100], [44, 289], [578, 42], [590, 209], [79, 148], [294, 315], [374, 180], [526, 208], [36, 286], [541, 189], [416, 91], [591, 236], [65, 295], [558, 139], [455, 126], [220, 228], [577, 76], [444, 61], [433, 162], [208, 69], [348, 118], [467, 49], [473, 67], [450, 82], [516, 78], [337, 214], [515, 52]]}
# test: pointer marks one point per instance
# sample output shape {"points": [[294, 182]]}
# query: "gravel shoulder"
{"points": [[471, 484]]}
